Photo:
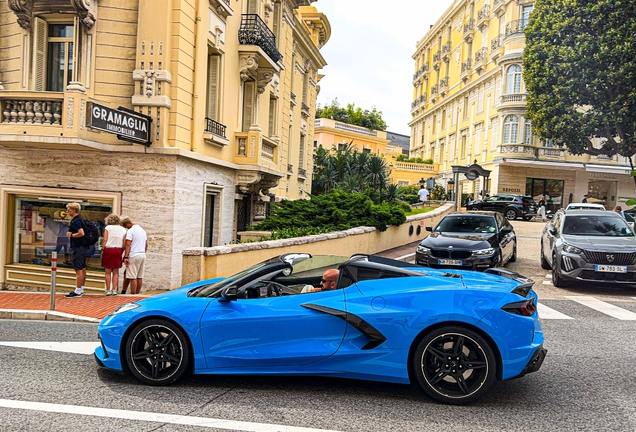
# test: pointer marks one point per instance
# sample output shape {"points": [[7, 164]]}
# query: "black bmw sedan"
{"points": [[469, 241]]}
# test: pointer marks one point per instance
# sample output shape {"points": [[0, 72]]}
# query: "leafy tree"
{"points": [[352, 115], [580, 74]]}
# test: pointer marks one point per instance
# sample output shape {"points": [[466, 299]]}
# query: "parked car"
{"points": [[511, 206], [585, 206], [454, 334], [589, 245], [471, 241]]}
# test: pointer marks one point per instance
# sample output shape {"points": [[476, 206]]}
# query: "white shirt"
{"points": [[423, 194], [137, 237], [116, 235]]}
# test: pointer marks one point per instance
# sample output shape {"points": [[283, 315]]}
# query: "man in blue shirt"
{"points": [[78, 256]]}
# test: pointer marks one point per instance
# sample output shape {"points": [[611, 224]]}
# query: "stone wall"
{"points": [[205, 263]]}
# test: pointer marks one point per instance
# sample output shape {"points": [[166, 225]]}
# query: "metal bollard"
{"points": [[53, 278]]}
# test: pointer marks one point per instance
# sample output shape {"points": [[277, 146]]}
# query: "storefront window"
{"points": [[41, 225], [552, 189]]}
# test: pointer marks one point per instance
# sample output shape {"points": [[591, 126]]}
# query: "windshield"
{"points": [[596, 226], [206, 290], [467, 224]]}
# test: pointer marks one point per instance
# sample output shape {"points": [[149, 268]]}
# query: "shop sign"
{"points": [[511, 190], [603, 176], [128, 125]]}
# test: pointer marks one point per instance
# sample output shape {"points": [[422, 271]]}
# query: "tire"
{"points": [[510, 214], [545, 265], [513, 257], [557, 280], [453, 377], [163, 363]]}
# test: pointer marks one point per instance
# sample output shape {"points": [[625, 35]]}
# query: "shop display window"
{"points": [[552, 189], [41, 225]]}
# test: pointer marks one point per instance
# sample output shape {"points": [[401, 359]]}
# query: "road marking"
{"points": [[549, 313], [155, 417], [547, 282], [549, 275], [604, 307], [69, 347]]}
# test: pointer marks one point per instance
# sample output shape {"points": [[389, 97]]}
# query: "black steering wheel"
{"points": [[274, 289]]}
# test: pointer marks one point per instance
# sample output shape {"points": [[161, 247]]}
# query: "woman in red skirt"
{"points": [[112, 251]]}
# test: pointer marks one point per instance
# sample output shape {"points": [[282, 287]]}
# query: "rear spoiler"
{"points": [[525, 283]]}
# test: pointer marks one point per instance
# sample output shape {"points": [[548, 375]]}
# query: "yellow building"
{"points": [[332, 134], [190, 117], [469, 105]]}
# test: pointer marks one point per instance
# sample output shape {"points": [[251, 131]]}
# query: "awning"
{"points": [[609, 169], [542, 163]]}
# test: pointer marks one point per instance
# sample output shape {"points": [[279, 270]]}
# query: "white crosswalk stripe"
{"points": [[549, 313], [604, 307]]}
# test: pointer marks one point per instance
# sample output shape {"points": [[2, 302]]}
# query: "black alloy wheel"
{"points": [[510, 214], [557, 280], [157, 352], [545, 265], [454, 365]]}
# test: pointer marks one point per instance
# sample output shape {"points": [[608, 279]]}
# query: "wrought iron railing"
{"points": [[254, 31], [516, 27], [215, 127], [483, 12], [469, 27]]}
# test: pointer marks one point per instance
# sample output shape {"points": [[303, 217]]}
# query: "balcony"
{"points": [[292, 98], [469, 30], [302, 173], [520, 151], [466, 69], [443, 86], [483, 17], [446, 50], [481, 58], [254, 31], [420, 169], [40, 111], [434, 93], [512, 101], [515, 27], [290, 169], [499, 7], [215, 133], [223, 7], [304, 109], [496, 47], [436, 60], [550, 153]]}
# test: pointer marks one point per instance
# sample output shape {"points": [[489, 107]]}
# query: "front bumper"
{"points": [[574, 267], [470, 263]]}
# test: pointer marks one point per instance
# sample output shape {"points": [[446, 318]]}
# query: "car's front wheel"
{"points": [[557, 280], [513, 258], [510, 214], [157, 352], [545, 265], [454, 365]]}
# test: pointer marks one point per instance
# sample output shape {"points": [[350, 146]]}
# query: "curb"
{"points": [[23, 314]]}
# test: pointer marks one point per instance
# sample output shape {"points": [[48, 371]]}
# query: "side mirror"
{"points": [[229, 295], [552, 230], [506, 230], [429, 228]]}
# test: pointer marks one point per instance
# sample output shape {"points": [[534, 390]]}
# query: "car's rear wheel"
{"points": [[557, 280], [454, 365], [510, 214], [545, 265], [157, 352]]}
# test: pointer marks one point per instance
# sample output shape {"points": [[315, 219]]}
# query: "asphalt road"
{"points": [[586, 383]]}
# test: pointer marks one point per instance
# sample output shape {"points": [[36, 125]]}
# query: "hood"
{"points": [[603, 243], [470, 241]]}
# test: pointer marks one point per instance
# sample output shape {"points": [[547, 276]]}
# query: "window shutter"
{"points": [[272, 117], [248, 105], [252, 6], [213, 79], [40, 35]]}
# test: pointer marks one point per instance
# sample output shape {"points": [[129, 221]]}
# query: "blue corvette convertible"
{"points": [[453, 332]]}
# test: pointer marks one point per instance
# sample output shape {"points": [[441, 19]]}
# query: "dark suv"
{"points": [[512, 206]]}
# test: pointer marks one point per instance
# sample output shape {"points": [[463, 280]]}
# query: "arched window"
{"points": [[527, 134], [513, 79], [511, 129]]}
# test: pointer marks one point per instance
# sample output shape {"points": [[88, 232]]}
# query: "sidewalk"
{"points": [[94, 307]]}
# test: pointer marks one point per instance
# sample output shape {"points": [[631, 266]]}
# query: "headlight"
{"points": [[482, 252], [125, 308], [423, 250], [571, 249]]}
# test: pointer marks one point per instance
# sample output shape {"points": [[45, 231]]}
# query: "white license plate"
{"points": [[610, 268], [449, 262]]}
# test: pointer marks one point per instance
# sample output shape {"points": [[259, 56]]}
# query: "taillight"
{"points": [[525, 308]]}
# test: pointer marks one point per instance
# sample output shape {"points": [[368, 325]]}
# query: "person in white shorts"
{"points": [[134, 253]]}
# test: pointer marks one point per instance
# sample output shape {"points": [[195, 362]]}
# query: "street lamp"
{"points": [[422, 181]]}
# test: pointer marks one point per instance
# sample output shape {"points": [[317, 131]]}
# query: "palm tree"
{"points": [[376, 173]]}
